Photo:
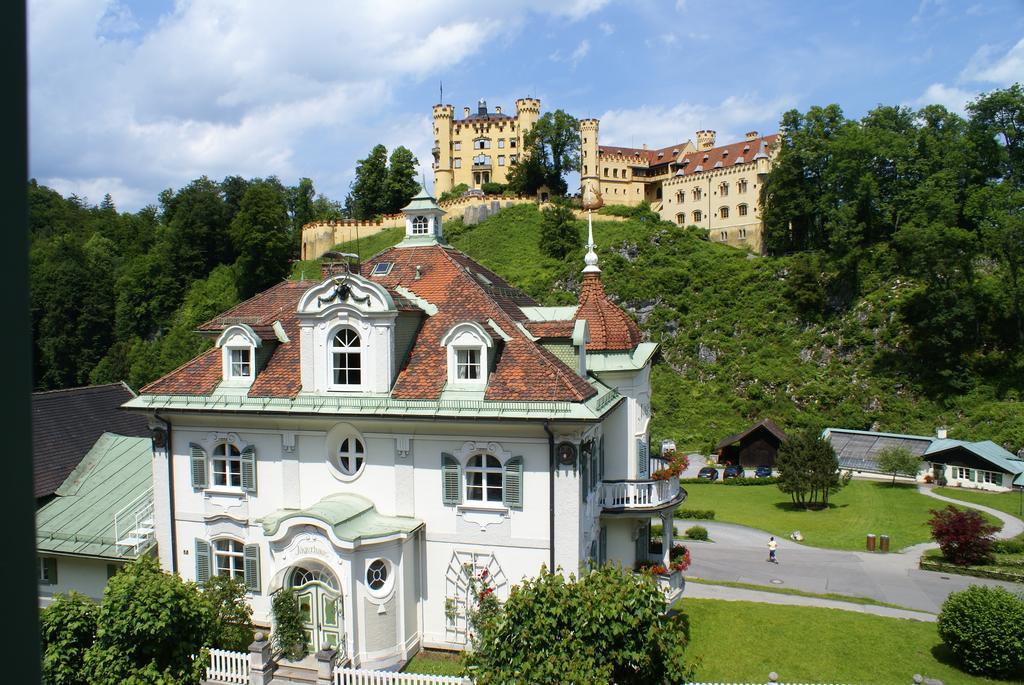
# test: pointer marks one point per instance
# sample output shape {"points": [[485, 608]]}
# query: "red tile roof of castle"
{"points": [[462, 290], [727, 154]]}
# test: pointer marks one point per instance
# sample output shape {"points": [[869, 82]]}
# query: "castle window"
{"points": [[512, 142], [679, 197], [512, 158], [743, 233], [584, 169], [697, 216], [458, 146], [742, 209], [680, 218], [697, 193], [420, 225], [723, 189], [346, 357], [501, 142], [724, 235], [615, 173], [723, 212], [501, 160], [606, 172], [482, 144], [458, 162], [741, 185], [227, 466]]}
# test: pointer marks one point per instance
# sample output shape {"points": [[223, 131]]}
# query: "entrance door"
{"points": [[320, 606]]}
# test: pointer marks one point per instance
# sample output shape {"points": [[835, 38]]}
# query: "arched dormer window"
{"points": [[469, 348], [238, 345], [346, 359]]}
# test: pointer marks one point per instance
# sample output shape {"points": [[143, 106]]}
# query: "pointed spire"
{"points": [[591, 258]]}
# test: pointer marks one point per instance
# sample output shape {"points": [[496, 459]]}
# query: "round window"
{"points": [[350, 456], [377, 575]]}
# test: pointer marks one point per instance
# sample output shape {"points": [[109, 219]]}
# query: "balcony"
{"points": [[481, 166], [626, 496]]}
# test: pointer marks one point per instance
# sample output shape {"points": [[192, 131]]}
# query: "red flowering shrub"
{"points": [[963, 536], [677, 463]]}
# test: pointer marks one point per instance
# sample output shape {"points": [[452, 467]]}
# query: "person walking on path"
{"points": [[772, 546]]}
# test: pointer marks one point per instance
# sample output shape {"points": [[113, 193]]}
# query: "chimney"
{"points": [[645, 146], [465, 112], [751, 135], [497, 109], [940, 432]]}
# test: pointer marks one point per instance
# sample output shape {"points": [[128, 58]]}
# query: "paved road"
{"points": [[739, 553]]}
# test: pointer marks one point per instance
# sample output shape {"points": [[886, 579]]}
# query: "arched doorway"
{"points": [[320, 605]]}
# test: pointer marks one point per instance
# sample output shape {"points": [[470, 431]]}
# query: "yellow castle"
{"points": [[482, 146]]}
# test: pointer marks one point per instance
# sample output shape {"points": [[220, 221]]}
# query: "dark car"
{"points": [[708, 473], [732, 472], [763, 472]]}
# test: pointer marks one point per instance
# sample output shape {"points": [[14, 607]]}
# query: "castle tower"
{"points": [[527, 114], [590, 185], [443, 117], [705, 140]]}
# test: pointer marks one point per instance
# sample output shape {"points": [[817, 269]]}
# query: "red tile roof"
{"points": [[727, 154], [610, 327], [462, 290]]}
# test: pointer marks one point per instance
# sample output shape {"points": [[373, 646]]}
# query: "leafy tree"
{"points": [[804, 286], [68, 628], [559, 235], [998, 120], [898, 460], [260, 232], [149, 627], [529, 174], [984, 628], [808, 469], [963, 536], [552, 149], [232, 615], [553, 630], [368, 196], [288, 635], [197, 218], [401, 185]]}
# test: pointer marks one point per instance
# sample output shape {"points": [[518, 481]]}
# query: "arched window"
{"points": [[742, 209], [483, 479], [229, 558], [723, 189], [741, 185], [346, 358], [697, 216], [680, 218], [420, 225], [723, 212], [227, 466], [679, 196], [697, 193], [350, 456]]}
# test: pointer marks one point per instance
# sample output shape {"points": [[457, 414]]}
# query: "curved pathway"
{"points": [[1012, 526], [739, 554]]}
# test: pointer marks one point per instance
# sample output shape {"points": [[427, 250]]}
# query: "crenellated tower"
{"points": [[589, 180], [527, 114], [444, 115]]}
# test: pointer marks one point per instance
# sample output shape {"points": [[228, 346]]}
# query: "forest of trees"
{"points": [[117, 296], [926, 196]]}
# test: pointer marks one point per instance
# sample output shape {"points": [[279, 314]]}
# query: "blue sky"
{"points": [[134, 97]]}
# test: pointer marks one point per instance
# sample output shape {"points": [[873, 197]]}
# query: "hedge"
{"points": [[702, 514]]}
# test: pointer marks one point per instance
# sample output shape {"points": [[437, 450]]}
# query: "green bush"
{"points": [[288, 636], [984, 628], [771, 480], [493, 188], [453, 194], [1013, 546], [68, 628], [697, 533], [699, 514]]}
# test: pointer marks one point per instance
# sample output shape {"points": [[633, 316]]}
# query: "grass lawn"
{"points": [[1008, 502], [745, 641], [435, 662], [860, 508]]}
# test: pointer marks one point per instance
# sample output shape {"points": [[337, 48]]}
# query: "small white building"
{"points": [[376, 438]]}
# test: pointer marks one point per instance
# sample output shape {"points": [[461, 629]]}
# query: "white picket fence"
{"points": [[228, 667], [354, 676]]}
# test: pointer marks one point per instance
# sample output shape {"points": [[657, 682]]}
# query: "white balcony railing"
{"points": [[639, 494]]}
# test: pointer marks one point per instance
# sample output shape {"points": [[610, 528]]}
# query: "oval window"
{"points": [[377, 575]]}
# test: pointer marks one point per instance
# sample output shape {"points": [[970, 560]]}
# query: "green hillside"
{"points": [[733, 348]]}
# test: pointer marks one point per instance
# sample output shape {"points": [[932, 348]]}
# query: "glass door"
{"points": [[319, 606]]}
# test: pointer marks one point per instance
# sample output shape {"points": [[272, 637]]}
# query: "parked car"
{"points": [[732, 472], [763, 472], [708, 473]]}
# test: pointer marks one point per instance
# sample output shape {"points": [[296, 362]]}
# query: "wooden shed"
{"points": [[756, 446]]}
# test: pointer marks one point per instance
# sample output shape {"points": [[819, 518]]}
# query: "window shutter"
{"points": [[643, 541], [451, 479], [249, 469], [51, 569], [199, 479], [252, 568], [643, 463], [584, 461], [202, 561], [512, 489], [602, 548], [600, 460]]}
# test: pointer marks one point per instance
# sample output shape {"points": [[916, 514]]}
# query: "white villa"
{"points": [[373, 438]]}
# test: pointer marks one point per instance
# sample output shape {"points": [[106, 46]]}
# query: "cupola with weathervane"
{"points": [[422, 221]]}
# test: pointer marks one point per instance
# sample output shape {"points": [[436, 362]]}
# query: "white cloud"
{"points": [[952, 98], [663, 126], [606, 28], [580, 52], [985, 67]]}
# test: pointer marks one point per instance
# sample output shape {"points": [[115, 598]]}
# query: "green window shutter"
{"points": [[249, 469], [252, 568], [199, 470], [584, 461], [643, 468], [602, 549], [512, 489], [202, 561], [451, 479], [600, 460]]}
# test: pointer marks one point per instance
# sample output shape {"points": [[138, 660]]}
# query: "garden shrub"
{"points": [[1013, 546], [699, 514], [68, 628], [233, 629], [697, 533], [771, 480], [984, 628], [963, 536], [491, 188], [288, 634]]}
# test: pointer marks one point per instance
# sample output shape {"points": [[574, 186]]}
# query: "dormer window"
{"points": [[420, 225], [238, 345], [469, 346], [346, 358]]}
